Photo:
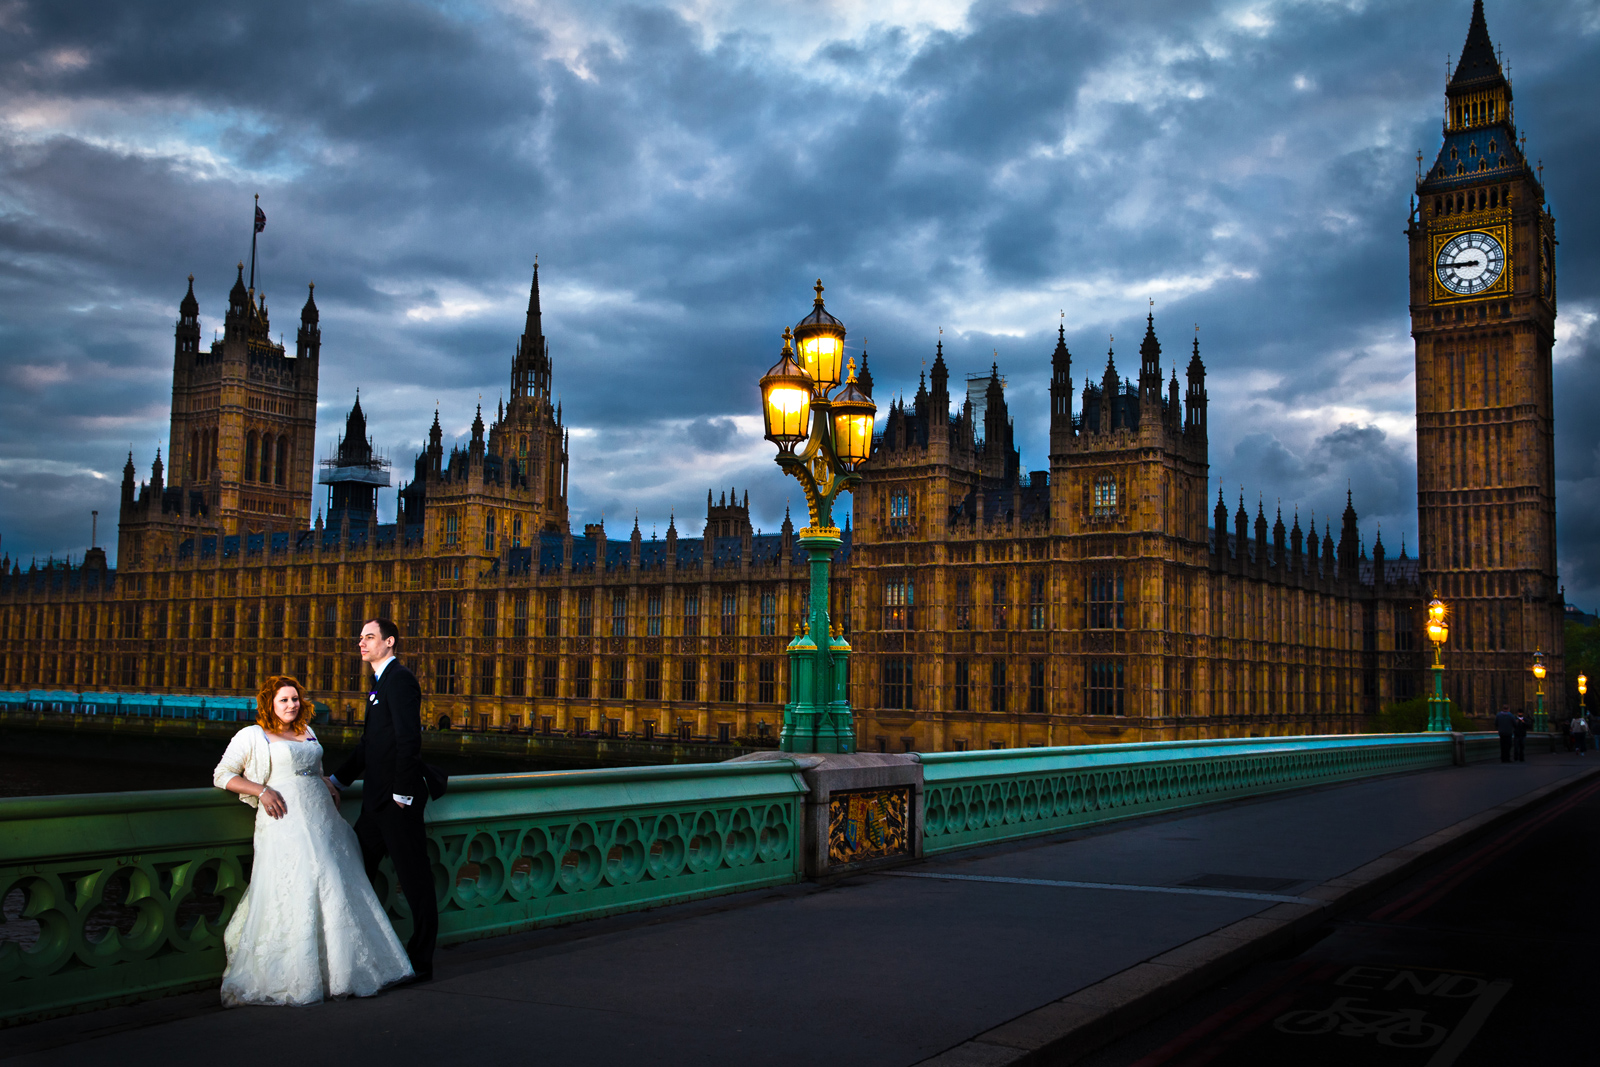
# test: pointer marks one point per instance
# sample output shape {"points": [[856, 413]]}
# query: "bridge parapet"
{"points": [[117, 897]]}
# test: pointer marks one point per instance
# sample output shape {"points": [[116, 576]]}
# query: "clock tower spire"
{"points": [[1483, 320]]}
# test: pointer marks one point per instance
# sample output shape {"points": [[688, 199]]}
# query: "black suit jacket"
{"points": [[389, 756]]}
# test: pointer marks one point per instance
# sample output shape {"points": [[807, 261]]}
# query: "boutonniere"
{"points": [[372, 698]]}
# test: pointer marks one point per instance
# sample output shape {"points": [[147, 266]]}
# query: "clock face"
{"points": [[1471, 262]]}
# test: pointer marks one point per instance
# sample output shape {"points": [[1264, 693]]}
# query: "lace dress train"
{"points": [[309, 925]]}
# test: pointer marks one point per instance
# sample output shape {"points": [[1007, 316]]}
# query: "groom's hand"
{"points": [[272, 803]]}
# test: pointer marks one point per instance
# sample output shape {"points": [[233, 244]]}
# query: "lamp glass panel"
{"points": [[852, 437], [821, 354], [788, 411], [1538, 671]]}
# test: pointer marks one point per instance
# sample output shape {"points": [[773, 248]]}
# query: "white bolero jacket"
{"points": [[249, 755]]}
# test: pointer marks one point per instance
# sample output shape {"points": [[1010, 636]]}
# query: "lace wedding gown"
{"points": [[309, 925]]}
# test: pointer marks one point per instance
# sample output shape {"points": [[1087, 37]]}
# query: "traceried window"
{"points": [[1036, 687], [997, 684], [552, 614], [1103, 683], [519, 615], [489, 616], [898, 607], [619, 615], [652, 623], [652, 679], [1036, 612], [727, 680], [899, 508], [452, 527], [963, 693], [769, 615], [585, 615], [691, 617], [1105, 496], [1105, 601], [999, 599], [897, 683], [767, 681], [963, 603]]}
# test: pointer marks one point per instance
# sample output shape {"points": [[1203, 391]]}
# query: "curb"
{"points": [[1068, 1029]]}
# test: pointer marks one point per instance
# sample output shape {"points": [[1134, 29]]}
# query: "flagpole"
{"points": [[254, 229]]}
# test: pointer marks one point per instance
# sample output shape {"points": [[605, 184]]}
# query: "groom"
{"points": [[389, 757]]}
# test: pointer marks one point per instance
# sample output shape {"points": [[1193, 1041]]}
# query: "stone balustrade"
{"points": [[116, 897]]}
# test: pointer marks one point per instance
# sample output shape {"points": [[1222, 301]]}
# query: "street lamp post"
{"points": [[1583, 687], [1438, 633], [1540, 723], [837, 436]]}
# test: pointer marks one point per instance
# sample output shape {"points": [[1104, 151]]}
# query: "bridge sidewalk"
{"points": [[985, 957]]}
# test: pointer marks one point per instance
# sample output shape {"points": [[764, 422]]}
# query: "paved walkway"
{"points": [[889, 968]]}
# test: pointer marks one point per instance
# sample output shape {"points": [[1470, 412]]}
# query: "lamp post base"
{"points": [[818, 717]]}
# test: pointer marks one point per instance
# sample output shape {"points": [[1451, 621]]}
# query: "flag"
{"points": [[261, 219]]}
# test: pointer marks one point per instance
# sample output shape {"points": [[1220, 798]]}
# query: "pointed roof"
{"points": [[1478, 65], [308, 313], [819, 315], [534, 327], [355, 425], [239, 294], [1150, 348], [864, 379], [189, 306]]}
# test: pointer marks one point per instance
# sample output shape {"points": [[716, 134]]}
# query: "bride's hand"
{"points": [[333, 790], [272, 803]]}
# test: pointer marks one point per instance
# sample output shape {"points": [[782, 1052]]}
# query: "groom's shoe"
{"points": [[417, 977]]}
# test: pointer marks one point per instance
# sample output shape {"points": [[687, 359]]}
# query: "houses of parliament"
{"points": [[1112, 596]]}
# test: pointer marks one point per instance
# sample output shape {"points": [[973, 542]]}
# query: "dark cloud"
{"points": [[684, 178]]}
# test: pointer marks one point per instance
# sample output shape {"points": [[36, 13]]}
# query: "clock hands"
{"points": [[1465, 263]]}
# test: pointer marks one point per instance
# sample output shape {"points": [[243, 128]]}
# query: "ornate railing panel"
{"points": [[116, 897], [975, 798]]}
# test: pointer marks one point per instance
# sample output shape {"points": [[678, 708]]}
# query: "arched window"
{"points": [[265, 474], [194, 456], [250, 456], [279, 471]]}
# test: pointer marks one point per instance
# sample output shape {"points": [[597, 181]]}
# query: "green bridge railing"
{"points": [[116, 897]]}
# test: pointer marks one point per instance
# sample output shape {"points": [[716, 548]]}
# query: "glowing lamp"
{"points": [[1538, 665], [819, 339], [1436, 610], [1583, 684], [786, 400], [853, 420], [1438, 632]]}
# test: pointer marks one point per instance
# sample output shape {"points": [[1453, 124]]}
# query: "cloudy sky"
{"points": [[686, 170]]}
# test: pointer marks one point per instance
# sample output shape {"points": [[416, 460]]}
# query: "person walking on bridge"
{"points": [[1505, 724], [1580, 734], [1519, 747]]}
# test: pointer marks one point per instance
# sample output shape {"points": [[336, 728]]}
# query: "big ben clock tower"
{"points": [[1483, 308]]}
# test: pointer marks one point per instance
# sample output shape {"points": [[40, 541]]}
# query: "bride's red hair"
{"points": [[268, 720]]}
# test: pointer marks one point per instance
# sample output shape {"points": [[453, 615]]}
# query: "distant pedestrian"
{"points": [[1505, 724], [1580, 734], [1566, 736], [1520, 733]]}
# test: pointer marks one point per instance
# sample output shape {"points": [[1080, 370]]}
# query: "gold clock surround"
{"points": [[1500, 231]]}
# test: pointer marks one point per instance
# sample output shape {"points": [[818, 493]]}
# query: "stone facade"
{"points": [[1105, 598], [1486, 488]]}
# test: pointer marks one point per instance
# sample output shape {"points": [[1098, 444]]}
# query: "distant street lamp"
{"points": [[837, 436], [1438, 633], [1583, 687], [1540, 723]]}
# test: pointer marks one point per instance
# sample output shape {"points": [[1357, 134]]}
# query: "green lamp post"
{"points": [[1540, 722], [833, 437], [1438, 633]]}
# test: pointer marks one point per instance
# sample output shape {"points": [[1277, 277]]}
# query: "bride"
{"points": [[309, 925]]}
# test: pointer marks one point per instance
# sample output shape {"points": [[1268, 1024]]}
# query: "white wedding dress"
{"points": [[309, 925]]}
